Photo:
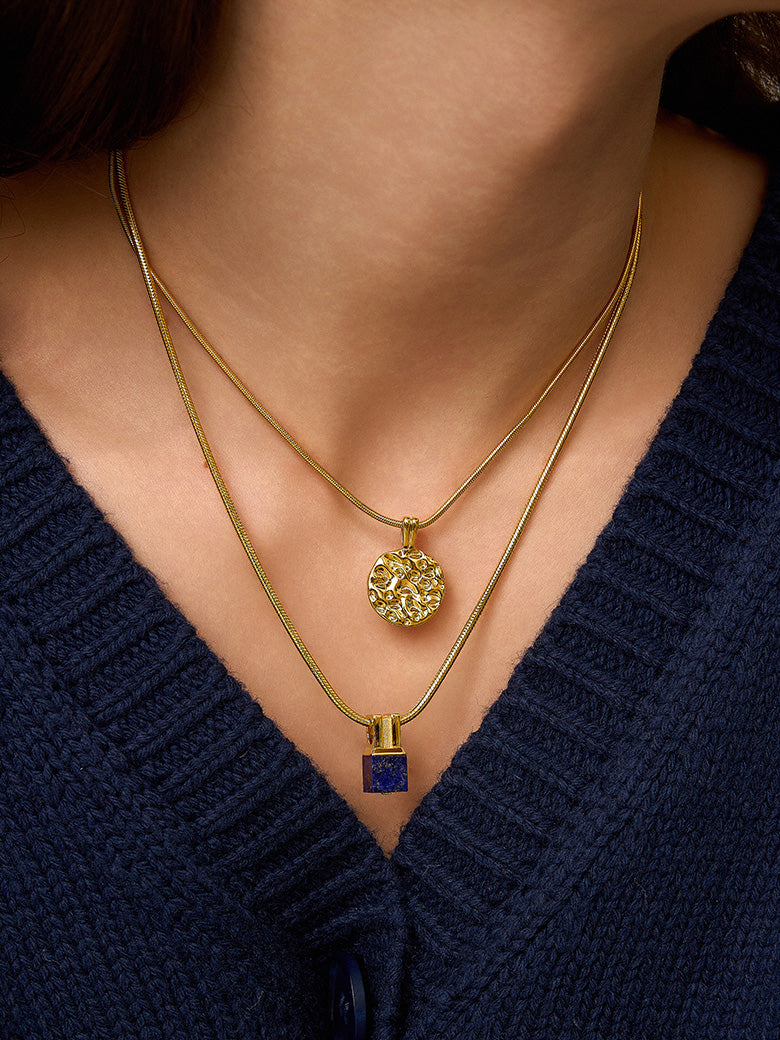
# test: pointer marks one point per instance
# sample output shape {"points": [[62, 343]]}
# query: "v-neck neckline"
{"points": [[204, 747], [570, 594]]}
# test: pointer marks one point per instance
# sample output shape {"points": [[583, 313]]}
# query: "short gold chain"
{"points": [[349, 495], [121, 197]]}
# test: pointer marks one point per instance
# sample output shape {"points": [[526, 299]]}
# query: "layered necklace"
{"points": [[405, 585]]}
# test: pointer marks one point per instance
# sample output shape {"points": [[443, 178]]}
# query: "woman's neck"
{"points": [[436, 198]]}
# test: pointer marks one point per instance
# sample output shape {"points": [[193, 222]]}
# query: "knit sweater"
{"points": [[601, 859]]}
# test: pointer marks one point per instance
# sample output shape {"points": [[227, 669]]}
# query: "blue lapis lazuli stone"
{"points": [[385, 772]]}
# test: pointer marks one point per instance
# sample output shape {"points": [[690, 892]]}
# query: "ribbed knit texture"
{"points": [[600, 860]]}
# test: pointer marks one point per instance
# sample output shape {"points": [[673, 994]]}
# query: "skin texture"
{"points": [[394, 220]]}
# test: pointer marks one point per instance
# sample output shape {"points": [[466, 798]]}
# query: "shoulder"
{"points": [[705, 176], [709, 205]]}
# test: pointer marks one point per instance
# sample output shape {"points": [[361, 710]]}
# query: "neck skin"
{"points": [[433, 198]]}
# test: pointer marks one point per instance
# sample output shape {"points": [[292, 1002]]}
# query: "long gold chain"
{"points": [[120, 195]]}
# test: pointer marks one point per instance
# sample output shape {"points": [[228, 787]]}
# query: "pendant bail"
{"points": [[384, 732], [409, 528]]}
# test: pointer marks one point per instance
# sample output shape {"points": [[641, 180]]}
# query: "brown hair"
{"points": [[727, 77], [83, 76]]}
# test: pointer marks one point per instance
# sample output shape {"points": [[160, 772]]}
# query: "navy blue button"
{"points": [[347, 999]]}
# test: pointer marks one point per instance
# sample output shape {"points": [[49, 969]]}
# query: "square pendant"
{"points": [[384, 772]]}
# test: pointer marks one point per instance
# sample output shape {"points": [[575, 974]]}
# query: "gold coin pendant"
{"points": [[405, 586]]}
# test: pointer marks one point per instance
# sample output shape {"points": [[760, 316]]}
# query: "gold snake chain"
{"points": [[318, 467], [121, 198]]}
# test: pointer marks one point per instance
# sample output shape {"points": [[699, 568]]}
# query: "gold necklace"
{"points": [[384, 761], [405, 586]]}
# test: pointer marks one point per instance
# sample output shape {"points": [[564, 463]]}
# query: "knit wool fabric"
{"points": [[600, 860]]}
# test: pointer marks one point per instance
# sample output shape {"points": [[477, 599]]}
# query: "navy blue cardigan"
{"points": [[600, 860]]}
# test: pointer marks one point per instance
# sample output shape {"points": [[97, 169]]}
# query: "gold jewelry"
{"points": [[384, 761], [405, 586]]}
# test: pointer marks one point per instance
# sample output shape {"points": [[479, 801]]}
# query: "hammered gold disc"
{"points": [[405, 586]]}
